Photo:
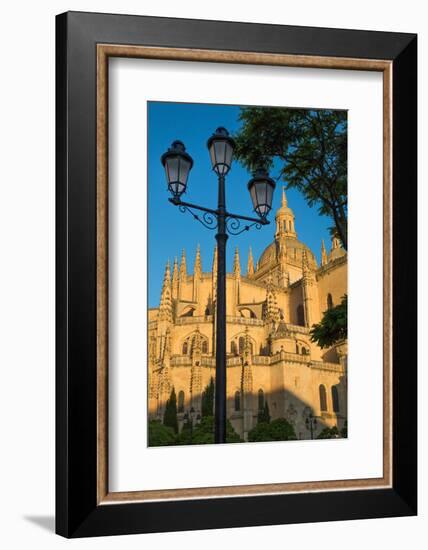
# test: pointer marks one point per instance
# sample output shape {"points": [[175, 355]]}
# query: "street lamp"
{"points": [[261, 188], [311, 424], [221, 146], [177, 165], [189, 419]]}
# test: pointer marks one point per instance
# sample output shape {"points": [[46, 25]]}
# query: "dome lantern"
{"points": [[284, 220]]}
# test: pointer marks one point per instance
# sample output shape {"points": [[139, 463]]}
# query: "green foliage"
{"points": [[277, 430], [160, 435], [264, 416], [208, 399], [329, 433], [312, 149], [203, 433], [344, 430], [333, 327], [170, 414], [231, 435], [185, 436]]}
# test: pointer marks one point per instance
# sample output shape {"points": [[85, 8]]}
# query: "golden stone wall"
{"points": [[269, 312]]}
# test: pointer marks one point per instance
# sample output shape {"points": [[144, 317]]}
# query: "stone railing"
{"points": [[208, 361], [261, 360], [244, 321], [297, 328], [277, 357], [181, 361], [186, 361], [331, 367], [290, 357], [233, 361], [194, 320]]}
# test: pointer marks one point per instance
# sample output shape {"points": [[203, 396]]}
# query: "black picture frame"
{"points": [[77, 512]]}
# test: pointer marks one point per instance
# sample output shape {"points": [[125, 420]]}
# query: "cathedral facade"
{"points": [[269, 313]]}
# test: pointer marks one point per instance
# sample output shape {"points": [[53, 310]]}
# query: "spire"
{"points": [[323, 253], [335, 242], [175, 279], [272, 311], [307, 273], [214, 275], [198, 264], [183, 268], [196, 342], [236, 263], [284, 198], [284, 220], [247, 344], [215, 260], [167, 276], [305, 265], [250, 263], [165, 307]]}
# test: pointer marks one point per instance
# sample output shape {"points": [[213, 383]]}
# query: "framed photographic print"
{"points": [[236, 274]]}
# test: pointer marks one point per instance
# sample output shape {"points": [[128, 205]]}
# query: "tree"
{"points": [[170, 414], [329, 433], [311, 147], [160, 435], [333, 327], [185, 436], [207, 405], [277, 430], [203, 433], [264, 416]]}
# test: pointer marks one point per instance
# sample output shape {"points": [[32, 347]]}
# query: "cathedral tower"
{"points": [[284, 219]]}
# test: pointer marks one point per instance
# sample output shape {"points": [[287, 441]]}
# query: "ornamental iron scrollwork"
{"points": [[207, 219], [235, 227]]}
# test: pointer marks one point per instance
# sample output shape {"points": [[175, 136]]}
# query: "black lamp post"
{"points": [[177, 165], [311, 424]]}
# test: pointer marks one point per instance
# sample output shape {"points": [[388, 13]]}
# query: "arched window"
{"points": [[180, 406], [233, 349], [185, 348], [261, 399], [241, 344], [300, 315], [188, 312], [205, 346], [329, 301], [237, 401], [297, 347], [335, 399], [304, 351], [323, 398]]}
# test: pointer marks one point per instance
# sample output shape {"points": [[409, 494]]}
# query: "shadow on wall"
{"points": [[256, 416], [307, 422]]}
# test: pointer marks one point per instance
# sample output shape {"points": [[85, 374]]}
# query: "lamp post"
{"points": [[178, 163], [189, 418], [311, 424]]}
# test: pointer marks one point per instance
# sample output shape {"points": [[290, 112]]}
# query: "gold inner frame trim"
{"points": [[104, 51]]}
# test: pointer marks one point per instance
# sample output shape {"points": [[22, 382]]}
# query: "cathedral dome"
{"points": [[294, 249], [286, 239]]}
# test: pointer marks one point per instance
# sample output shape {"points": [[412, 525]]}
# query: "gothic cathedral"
{"points": [[270, 310]]}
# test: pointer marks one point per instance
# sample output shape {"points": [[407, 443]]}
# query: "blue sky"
{"points": [[170, 231]]}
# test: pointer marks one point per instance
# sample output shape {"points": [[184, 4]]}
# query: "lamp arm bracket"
{"points": [[208, 219], [260, 221]]}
